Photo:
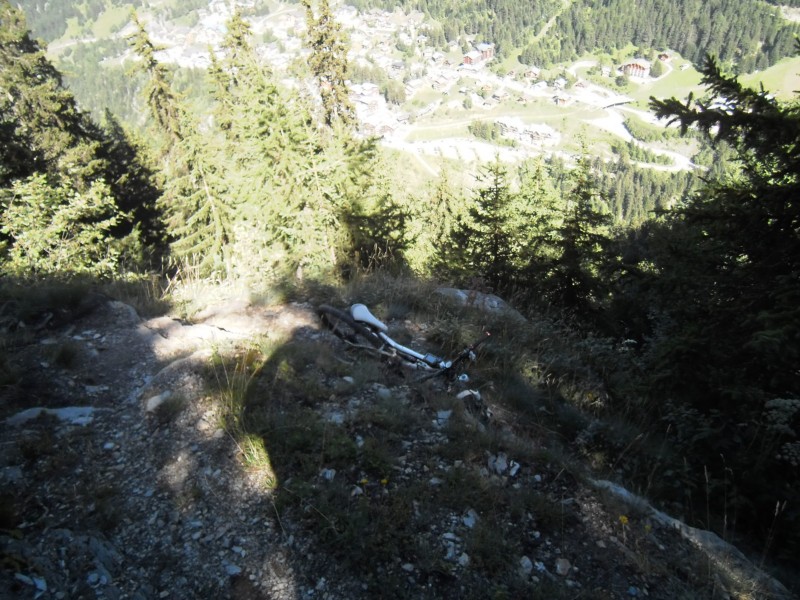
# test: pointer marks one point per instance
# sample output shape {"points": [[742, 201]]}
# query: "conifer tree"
{"points": [[56, 159], [58, 230], [542, 214], [728, 297], [376, 223], [196, 200], [486, 243], [133, 181], [42, 129], [583, 239], [738, 276], [328, 62], [164, 104], [432, 220], [270, 146], [203, 212], [231, 74], [543, 217]]}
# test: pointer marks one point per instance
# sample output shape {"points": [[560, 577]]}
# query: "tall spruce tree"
{"points": [[273, 150], [164, 104], [488, 241], [739, 275], [133, 181], [432, 219], [196, 201], [583, 238], [49, 144], [543, 219], [42, 129], [328, 62], [728, 300]]}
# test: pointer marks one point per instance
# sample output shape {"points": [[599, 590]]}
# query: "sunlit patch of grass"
{"points": [[255, 456], [111, 19], [233, 378], [146, 294], [782, 79]]}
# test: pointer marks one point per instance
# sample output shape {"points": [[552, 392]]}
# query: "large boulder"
{"points": [[486, 302]]}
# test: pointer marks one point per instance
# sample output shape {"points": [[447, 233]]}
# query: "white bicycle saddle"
{"points": [[361, 313]]}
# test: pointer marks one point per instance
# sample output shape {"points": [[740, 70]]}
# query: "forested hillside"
{"points": [[745, 33], [687, 309], [748, 33], [50, 21]]}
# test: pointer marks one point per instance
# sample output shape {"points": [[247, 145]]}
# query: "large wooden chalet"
{"points": [[482, 53]]}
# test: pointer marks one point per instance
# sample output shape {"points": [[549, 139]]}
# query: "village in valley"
{"points": [[443, 91]]}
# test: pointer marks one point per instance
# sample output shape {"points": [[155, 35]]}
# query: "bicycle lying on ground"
{"points": [[360, 328]]}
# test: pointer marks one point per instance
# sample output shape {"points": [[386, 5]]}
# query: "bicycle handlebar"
{"points": [[469, 351]]}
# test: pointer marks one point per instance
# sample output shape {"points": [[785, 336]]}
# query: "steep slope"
{"points": [[247, 454]]}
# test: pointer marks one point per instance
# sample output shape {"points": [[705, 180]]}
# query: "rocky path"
{"points": [[119, 481]]}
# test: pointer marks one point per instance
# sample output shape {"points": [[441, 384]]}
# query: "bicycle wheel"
{"points": [[345, 327]]}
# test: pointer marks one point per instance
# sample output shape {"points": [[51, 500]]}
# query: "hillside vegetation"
{"points": [[686, 312], [747, 33]]}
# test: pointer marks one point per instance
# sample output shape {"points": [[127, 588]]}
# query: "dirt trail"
{"points": [[119, 481]]}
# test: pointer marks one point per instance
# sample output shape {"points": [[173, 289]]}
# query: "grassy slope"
{"points": [[783, 79]]}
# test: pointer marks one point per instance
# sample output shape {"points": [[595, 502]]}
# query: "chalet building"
{"points": [[532, 73], [636, 68], [482, 53], [515, 128], [500, 95], [486, 50], [472, 58]]}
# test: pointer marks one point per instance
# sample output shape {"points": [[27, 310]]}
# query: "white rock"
{"points": [[451, 550], [470, 518], [152, 403], [563, 566], [498, 464], [525, 566], [442, 417], [75, 415]]}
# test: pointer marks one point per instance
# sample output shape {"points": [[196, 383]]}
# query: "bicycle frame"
{"points": [[362, 315]]}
